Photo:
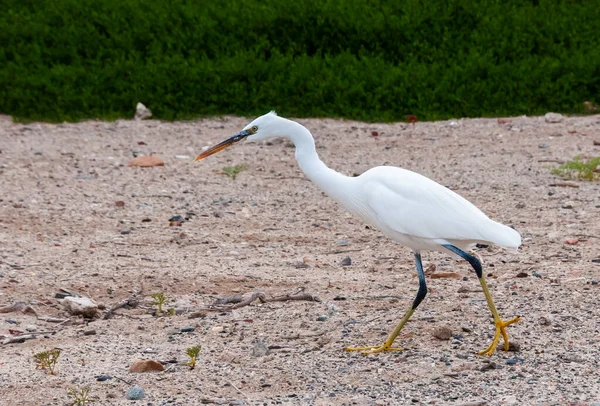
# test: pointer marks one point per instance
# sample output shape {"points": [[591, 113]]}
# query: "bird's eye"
{"points": [[254, 129]]}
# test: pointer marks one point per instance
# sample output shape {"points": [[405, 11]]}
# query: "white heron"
{"points": [[407, 207]]}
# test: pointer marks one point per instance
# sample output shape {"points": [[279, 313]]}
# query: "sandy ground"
{"points": [[272, 231]]}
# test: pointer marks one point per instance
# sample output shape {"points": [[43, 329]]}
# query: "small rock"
{"points": [[466, 329], [594, 282], [544, 321], [571, 241], [260, 349], [30, 327], [187, 329], [488, 366], [536, 274], [544, 145], [145, 365], [567, 205], [217, 329], [374, 133], [146, 161], [83, 306], [102, 378], [556, 135], [89, 333], [176, 219], [119, 203], [442, 333], [343, 243], [126, 230], [135, 393], [522, 275], [339, 298], [322, 318], [554, 118], [346, 262], [514, 361], [142, 112], [520, 206]]}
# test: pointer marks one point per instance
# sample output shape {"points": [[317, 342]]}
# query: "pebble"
{"points": [[83, 306], [514, 346], [346, 262], [145, 161], [176, 219], [126, 230], [30, 327], [544, 145], [102, 378], [594, 282], [188, 329], [145, 365], [466, 329], [322, 318], [135, 393], [442, 333], [142, 112], [514, 361], [343, 243], [339, 298], [488, 366], [89, 333], [537, 275], [553, 118]]}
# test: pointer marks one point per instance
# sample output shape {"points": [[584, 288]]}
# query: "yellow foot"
{"points": [[500, 329], [373, 349]]}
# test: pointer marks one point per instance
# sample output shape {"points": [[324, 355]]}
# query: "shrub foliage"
{"points": [[368, 60]]}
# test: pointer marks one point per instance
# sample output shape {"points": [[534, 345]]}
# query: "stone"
{"points": [[145, 365], [80, 306], [142, 112], [135, 393], [146, 161], [346, 262], [442, 333], [554, 118]]}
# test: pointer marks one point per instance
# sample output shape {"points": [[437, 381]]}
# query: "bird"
{"points": [[407, 207]]}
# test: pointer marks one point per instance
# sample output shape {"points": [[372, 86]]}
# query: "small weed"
{"points": [[46, 360], [159, 301], [192, 352], [579, 169], [171, 311], [233, 171], [80, 396]]}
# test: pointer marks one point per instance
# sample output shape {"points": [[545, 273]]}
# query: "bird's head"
{"points": [[262, 128]]}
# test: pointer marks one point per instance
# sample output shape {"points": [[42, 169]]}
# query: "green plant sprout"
{"points": [[159, 301], [46, 360], [233, 171], [80, 396], [192, 352], [171, 311], [579, 169]]}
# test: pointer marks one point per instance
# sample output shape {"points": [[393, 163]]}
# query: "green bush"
{"points": [[368, 60]]}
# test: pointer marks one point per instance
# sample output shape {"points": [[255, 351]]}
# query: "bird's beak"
{"points": [[222, 145]]}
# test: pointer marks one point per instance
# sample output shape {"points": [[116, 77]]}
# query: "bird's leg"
{"points": [[498, 322], [387, 346]]}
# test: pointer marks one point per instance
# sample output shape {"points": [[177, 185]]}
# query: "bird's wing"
{"points": [[412, 204]]}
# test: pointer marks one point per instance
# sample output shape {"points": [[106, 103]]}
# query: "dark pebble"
{"points": [[126, 230], [515, 361], [537, 275], [339, 298], [89, 333], [596, 260], [102, 378], [146, 220], [522, 275], [488, 366], [187, 329], [9, 321], [346, 262], [177, 219], [594, 282]]}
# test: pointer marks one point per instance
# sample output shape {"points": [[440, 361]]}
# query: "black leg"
{"points": [[467, 257], [422, 284]]}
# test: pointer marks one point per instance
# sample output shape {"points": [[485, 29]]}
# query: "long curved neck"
{"points": [[326, 178]]}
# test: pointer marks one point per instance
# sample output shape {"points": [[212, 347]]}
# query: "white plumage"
{"points": [[407, 207]]}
